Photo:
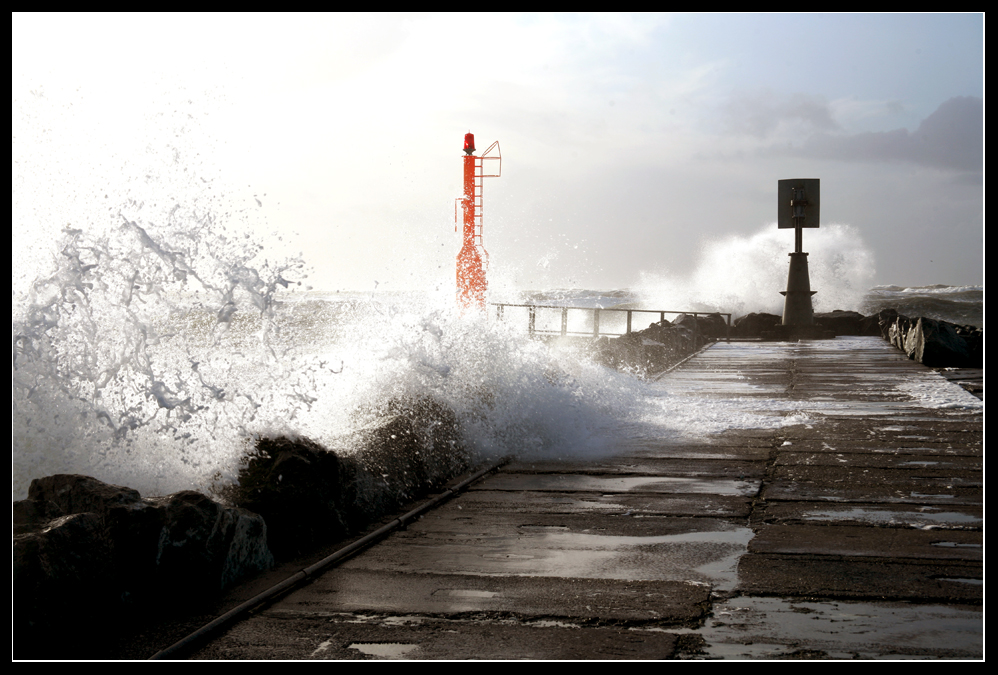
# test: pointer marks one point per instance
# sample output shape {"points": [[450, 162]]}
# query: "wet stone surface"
{"points": [[854, 530]]}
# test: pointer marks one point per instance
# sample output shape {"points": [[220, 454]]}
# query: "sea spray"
{"points": [[149, 366], [125, 362], [740, 274], [161, 340], [155, 336]]}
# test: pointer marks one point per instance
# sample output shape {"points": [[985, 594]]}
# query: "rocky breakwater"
{"points": [[957, 351], [661, 345], [310, 495], [89, 557], [92, 559], [936, 343]]}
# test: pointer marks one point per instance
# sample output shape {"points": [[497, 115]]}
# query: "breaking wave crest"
{"points": [[742, 274]]}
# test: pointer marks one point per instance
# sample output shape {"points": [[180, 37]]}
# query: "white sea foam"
{"points": [[153, 339], [151, 353], [742, 274], [932, 390]]}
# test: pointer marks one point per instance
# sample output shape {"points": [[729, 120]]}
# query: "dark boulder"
{"points": [[63, 568], [86, 552], [299, 487], [413, 447], [755, 324], [846, 323], [879, 323], [310, 495], [937, 344], [648, 351], [707, 325]]}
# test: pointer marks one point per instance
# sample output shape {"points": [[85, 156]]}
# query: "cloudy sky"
{"points": [[630, 143]]}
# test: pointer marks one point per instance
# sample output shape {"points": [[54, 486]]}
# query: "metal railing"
{"points": [[596, 312]]}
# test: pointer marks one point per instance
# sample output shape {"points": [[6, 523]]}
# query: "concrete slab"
{"points": [[622, 547], [858, 541], [916, 476], [746, 627], [832, 457], [950, 517], [607, 484], [941, 497], [851, 526], [814, 576], [584, 601], [629, 503], [385, 638], [684, 467]]}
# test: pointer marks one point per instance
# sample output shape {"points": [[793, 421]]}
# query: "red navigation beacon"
{"points": [[472, 261]]}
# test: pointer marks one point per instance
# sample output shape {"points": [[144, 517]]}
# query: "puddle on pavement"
{"points": [[384, 650], [610, 484], [920, 519], [463, 593], [753, 628], [975, 582], [705, 557]]}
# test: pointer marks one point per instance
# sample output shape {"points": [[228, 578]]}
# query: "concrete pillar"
{"points": [[797, 309]]}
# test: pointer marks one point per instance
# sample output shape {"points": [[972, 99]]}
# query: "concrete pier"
{"points": [[850, 527]]}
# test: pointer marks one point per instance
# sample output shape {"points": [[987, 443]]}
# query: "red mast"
{"points": [[472, 260]]}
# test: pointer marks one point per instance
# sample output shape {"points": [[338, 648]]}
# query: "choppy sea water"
{"points": [[152, 356]]}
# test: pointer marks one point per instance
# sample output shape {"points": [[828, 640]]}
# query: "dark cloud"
{"points": [[761, 113], [950, 138]]}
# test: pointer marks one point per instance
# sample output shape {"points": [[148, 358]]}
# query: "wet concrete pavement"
{"points": [[855, 530]]}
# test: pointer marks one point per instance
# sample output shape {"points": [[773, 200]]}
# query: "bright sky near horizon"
{"points": [[628, 141]]}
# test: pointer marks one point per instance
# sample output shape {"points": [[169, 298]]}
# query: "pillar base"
{"points": [[797, 309]]}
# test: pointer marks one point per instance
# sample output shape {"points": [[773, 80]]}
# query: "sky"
{"points": [[630, 143]]}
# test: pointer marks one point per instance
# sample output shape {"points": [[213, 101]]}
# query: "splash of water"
{"points": [[741, 274], [158, 340], [150, 365], [125, 363]]}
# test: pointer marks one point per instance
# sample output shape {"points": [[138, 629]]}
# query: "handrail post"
{"points": [[596, 322], [533, 317], [564, 321], [628, 322]]}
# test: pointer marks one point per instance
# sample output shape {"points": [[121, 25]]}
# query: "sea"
{"points": [[153, 360], [153, 356]]}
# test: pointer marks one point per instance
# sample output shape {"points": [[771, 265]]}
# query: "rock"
{"points": [[299, 488], [974, 338], [413, 448], [937, 345], [897, 331], [310, 495], [879, 323], [651, 350], [709, 325], [204, 547], [754, 324], [846, 323], [86, 552], [64, 567]]}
